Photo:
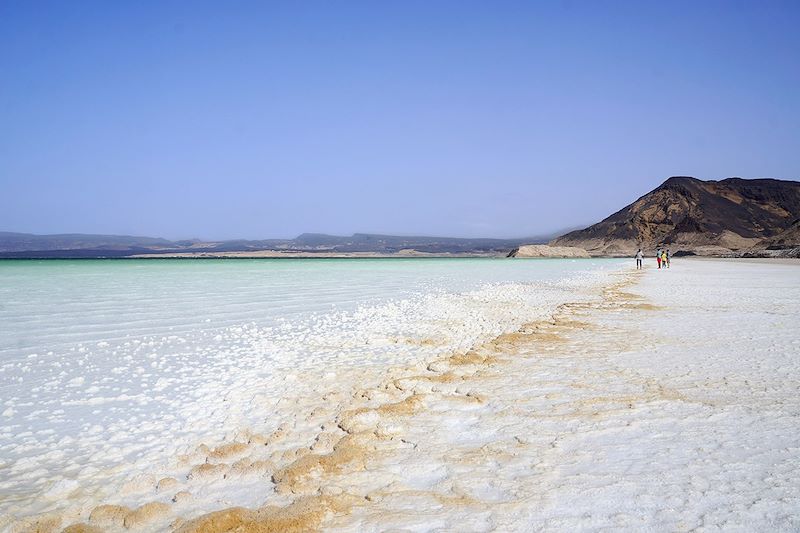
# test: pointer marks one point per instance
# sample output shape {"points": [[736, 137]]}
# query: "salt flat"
{"points": [[641, 401], [671, 404]]}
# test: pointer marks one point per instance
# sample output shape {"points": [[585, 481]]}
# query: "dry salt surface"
{"points": [[669, 405], [640, 401], [617, 415]]}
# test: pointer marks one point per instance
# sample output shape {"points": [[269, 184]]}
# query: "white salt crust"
{"points": [[667, 403], [104, 421]]}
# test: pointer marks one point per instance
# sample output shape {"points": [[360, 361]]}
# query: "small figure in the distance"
{"points": [[658, 258], [639, 257]]}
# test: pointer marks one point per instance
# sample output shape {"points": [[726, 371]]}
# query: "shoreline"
{"points": [[598, 434], [314, 390], [766, 260], [370, 255]]}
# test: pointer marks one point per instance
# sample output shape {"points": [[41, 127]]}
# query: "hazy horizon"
{"points": [[459, 119], [541, 234], [268, 237]]}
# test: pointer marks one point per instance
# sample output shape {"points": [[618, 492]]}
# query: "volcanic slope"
{"points": [[703, 217]]}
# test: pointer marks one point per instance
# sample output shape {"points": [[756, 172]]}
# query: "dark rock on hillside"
{"points": [[789, 238], [704, 217]]}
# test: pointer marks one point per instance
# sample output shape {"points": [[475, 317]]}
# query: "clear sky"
{"points": [[501, 119]]}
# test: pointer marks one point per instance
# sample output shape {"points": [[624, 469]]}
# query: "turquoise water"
{"points": [[49, 304]]}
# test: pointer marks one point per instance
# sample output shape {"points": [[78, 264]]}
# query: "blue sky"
{"points": [[502, 119]]}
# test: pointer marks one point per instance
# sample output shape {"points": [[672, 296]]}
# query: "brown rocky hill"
{"points": [[788, 238], [703, 217]]}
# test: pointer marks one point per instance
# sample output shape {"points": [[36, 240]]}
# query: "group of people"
{"points": [[662, 258]]}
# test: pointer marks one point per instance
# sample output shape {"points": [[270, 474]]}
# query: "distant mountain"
{"points": [[365, 242], [22, 242], [22, 245], [706, 217]]}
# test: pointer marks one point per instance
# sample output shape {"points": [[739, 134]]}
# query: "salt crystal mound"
{"points": [[112, 368]]}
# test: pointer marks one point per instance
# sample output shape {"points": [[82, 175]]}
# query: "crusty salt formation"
{"points": [[594, 416], [100, 389]]}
